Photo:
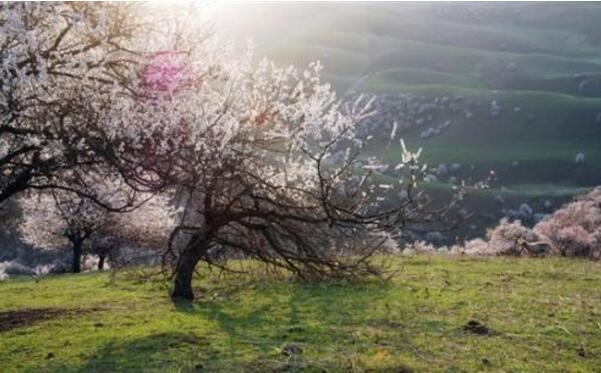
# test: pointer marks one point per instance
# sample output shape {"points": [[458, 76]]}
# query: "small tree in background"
{"points": [[58, 219], [55, 220], [575, 229], [507, 238]]}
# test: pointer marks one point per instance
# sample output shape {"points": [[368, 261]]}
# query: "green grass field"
{"points": [[437, 314]]}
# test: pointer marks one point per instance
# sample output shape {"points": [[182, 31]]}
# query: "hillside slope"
{"points": [[523, 82]]}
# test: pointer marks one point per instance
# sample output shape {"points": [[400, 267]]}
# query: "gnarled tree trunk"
{"points": [[77, 256], [184, 271]]}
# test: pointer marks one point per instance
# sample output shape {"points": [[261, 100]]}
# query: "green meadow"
{"points": [[436, 314]]}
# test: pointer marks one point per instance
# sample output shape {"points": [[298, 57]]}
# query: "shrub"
{"points": [[575, 229], [420, 247], [504, 239], [473, 247]]}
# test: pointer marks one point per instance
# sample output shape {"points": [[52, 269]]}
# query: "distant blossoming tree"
{"points": [[507, 238], [57, 220], [50, 222], [575, 229]]}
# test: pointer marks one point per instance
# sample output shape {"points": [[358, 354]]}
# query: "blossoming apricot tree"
{"points": [[268, 164], [264, 160]]}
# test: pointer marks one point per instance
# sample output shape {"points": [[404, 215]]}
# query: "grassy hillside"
{"points": [[438, 314], [540, 62]]}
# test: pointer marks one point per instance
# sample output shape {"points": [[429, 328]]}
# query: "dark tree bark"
{"points": [[183, 277], [184, 271], [101, 259], [77, 239], [77, 249]]}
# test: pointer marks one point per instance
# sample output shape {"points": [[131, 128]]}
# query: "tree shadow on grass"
{"points": [[267, 327], [161, 352], [265, 322]]}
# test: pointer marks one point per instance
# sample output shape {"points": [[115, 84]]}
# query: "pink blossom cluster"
{"points": [[575, 229], [164, 73], [572, 231], [504, 239]]}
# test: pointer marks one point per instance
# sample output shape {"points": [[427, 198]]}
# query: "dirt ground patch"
{"points": [[476, 327], [25, 317]]}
